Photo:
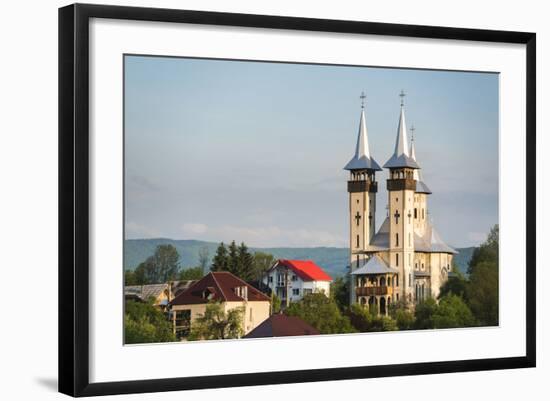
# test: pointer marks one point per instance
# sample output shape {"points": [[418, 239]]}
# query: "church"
{"points": [[406, 259]]}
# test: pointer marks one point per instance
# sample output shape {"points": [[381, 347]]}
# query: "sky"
{"points": [[222, 150]]}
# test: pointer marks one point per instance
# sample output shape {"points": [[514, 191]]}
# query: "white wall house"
{"points": [[296, 278]]}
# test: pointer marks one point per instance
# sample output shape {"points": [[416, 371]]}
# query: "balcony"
{"points": [[372, 291], [362, 186]]}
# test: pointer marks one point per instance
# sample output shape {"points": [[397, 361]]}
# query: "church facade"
{"points": [[406, 259]]}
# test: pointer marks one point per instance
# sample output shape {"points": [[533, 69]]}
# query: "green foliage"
{"points": [[220, 261], [204, 257], [239, 261], [193, 273], [423, 314], [339, 291], [456, 284], [482, 289], [322, 313], [216, 324], [275, 303], [364, 319], [262, 262], [159, 268], [144, 323], [402, 315], [130, 278], [452, 311], [482, 293]]}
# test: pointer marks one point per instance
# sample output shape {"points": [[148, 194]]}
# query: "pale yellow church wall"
{"points": [[439, 265]]}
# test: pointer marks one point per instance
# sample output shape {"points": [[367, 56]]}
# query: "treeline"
{"points": [[164, 265]]}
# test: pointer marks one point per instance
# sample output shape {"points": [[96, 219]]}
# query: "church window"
{"points": [[357, 259], [357, 241], [397, 259], [422, 266], [396, 239], [409, 239], [415, 213], [410, 280], [422, 214], [397, 295]]}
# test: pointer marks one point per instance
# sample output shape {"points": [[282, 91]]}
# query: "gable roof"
{"points": [[307, 270], [280, 325], [219, 287], [375, 265]]}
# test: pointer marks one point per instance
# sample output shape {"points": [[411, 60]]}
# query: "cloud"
{"points": [[135, 230], [269, 236], [194, 228]]}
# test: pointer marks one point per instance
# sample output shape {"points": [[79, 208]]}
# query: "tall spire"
{"points": [[421, 187], [400, 157], [362, 159]]}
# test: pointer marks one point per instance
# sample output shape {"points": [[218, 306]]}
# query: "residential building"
{"points": [[291, 280], [222, 287]]}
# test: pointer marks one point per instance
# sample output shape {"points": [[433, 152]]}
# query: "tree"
{"points": [[482, 289], [233, 259], [130, 277], [402, 315], [144, 323], [220, 261], [339, 291], [275, 303], [245, 264], [452, 311], [161, 267], [322, 313], [456, 284], [482, 293], [486, 252], [204, 257], [193, 273], [216, 324], [261, 264], [365, 320], [423, 314]]}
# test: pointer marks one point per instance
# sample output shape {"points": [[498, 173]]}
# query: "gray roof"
{"points": [[431, 242], [362, 159], [381, 240], [422, 188], [146, 291], [401, 156], [375, 265]]}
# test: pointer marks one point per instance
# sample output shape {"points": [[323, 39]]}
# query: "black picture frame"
{"points": [[74, 198]]}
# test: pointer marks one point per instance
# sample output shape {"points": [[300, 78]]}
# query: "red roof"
{"points": [[305, 269], [217, 286]]}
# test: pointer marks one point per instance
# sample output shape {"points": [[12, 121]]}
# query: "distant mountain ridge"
{"points": [[333, 260]]}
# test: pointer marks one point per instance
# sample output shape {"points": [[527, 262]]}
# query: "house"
{"points": [[280, 325], [296, 278], [223, 287], [158, 294]]}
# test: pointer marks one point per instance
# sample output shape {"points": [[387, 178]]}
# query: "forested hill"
{"points": [[332, 260]]}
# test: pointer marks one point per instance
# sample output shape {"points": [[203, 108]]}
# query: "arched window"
{"points": [[357, 240], [415, 213], [397, 259], [396, 239]]}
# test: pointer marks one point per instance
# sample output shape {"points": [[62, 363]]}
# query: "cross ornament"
{"points": [[402, 96], [362, 97], [397, 216], [357, 218]]}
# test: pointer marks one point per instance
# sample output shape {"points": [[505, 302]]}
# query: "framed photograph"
{"points": [[251, 199]]}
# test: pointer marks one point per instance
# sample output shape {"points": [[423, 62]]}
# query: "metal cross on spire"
{"points": [[412, 133], [402, 95], [362, 97]]}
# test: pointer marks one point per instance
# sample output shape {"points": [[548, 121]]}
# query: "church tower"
{"points": [[362, 188], [420, 211], [401, 187]]}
